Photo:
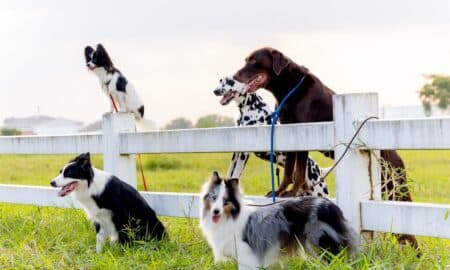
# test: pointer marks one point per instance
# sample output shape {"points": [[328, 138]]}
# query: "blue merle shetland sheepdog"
{"points": [[257, 236], [113, 83], [117, 209]]}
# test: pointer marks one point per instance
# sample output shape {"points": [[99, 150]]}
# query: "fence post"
{"points": [[358, 170], [122, 166]]}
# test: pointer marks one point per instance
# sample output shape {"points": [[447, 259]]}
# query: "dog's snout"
{"points": [[216, 211], [217, 92], [53, 183]]}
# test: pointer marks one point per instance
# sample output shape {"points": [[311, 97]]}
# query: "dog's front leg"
{"points": [[101, 237], [123, 103], [246, 258], [238, 162]]}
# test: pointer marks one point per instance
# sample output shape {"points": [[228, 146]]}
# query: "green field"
{"points": [[49, 238]]}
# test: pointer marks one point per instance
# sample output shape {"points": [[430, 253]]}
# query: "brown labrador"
{"points": [[268, 68]]}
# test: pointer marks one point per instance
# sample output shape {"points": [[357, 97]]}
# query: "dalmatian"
{"points": [[254, 111]]}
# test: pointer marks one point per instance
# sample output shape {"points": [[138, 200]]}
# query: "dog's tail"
{"points": [[335, 231], [141, 111]]}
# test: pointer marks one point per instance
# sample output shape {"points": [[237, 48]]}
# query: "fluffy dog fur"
{"points": [[256, 236], [254, 111], [113, 82], [117, 210]]}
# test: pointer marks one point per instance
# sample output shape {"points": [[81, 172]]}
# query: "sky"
{"points": [[174, 52]]}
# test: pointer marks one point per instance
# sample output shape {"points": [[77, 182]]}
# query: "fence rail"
{"points": [[355, 176]]}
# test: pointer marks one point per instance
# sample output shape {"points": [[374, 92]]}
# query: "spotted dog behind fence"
{"points": [[254, 111]]}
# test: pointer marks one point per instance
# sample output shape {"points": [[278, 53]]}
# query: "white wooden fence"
{"points": [[356, 176]]}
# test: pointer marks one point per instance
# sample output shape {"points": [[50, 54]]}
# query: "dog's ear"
{"points": [[215, 178], [279, 61], [101, 53], [87, 52], [84, 160], [100, 48], [232, 183]]}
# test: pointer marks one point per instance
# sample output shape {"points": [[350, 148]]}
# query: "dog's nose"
{"points": [[53, 183], [217, 92], [216, 211]]}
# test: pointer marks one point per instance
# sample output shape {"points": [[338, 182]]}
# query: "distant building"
{"points": [[143, 125], [415, 111], [43, 125]]}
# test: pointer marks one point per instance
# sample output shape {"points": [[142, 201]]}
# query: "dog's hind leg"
{"points": [[299, 174], [238, 162], [288, 173]]}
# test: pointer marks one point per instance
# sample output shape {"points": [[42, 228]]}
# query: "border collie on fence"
{"points": [[113, 83]]}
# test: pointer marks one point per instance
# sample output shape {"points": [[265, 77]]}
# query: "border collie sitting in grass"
{"points": [[257, 236], [117, 209]]}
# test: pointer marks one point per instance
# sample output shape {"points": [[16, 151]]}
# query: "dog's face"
{"points": [[230, 89], [221, 199], [98, 58], [261, 66], [74, 175]]}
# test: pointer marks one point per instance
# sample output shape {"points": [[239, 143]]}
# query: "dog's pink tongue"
{"points": [[67, 189], [215, 219]]}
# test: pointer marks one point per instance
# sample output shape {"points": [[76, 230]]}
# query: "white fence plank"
{"points": [[66, 144], [405, 217], [164, 203], [311, 136], [34, 195], [397, 217], [357, 174], [122, 166], [427, 133]]}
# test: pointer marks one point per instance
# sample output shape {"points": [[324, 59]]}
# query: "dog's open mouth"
{"points": [[215, 218], [228, 97], [67, 189], [256, 82]]}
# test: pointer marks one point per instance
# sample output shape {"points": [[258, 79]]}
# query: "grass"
{"points": [[49, 238]]}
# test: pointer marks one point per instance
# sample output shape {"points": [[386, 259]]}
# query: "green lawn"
{"points": [[49, 238]]}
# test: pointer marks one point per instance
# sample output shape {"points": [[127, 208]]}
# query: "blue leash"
{"points": [[274, 118]]}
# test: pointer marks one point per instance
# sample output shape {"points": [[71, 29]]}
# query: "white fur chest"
{"points": [[90, 207]]}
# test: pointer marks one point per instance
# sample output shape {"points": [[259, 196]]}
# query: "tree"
{"points": [[9, 132], [179, 123], [435, 92], [214, 120]]}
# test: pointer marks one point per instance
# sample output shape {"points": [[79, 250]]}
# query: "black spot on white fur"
{"points": [[121, 84]]}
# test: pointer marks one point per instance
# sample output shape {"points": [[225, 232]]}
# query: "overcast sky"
{"points": [[175, 51]]}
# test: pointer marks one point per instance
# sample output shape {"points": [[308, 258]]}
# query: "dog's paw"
{"points": [[269, 194], [288, 193]]}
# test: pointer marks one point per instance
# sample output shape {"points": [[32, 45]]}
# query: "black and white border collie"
{"points": [[257, 236], [117, 210], [254, 111], [113, 83]]}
